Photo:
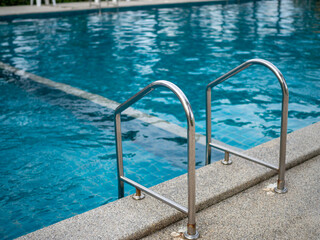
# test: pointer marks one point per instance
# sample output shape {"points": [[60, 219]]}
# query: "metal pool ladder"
{"points": [[191, 232], [281, 188]]}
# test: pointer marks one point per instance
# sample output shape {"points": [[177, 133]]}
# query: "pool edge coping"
{"points": [[127, 6], [121, 219]]}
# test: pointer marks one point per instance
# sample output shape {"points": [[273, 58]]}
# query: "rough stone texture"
{"points": [[129, 219], [259, 214]]}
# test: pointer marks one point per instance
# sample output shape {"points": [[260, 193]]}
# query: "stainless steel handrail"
{"points": [[191, 232], [281, 188]]}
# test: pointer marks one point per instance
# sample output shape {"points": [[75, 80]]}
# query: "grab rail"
{"points": [[284, 119], [191, 232]]}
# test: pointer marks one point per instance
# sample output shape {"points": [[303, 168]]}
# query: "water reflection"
{"points": [[116, 54]]}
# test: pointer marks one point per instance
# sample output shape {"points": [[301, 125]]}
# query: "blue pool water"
{"points": [[57, 152], [58, 157]]}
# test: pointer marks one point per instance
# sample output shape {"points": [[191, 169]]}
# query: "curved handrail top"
{"points": [[247, 64], [160, 83]]}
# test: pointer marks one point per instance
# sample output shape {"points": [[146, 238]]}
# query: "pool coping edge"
{"points": [[60, 10], [121, 219]]}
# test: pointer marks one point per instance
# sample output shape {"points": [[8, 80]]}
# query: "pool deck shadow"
{"points": [[130, 219]]}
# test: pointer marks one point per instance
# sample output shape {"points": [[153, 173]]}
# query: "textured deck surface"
{"points": [[260, 214], [130, 219]]}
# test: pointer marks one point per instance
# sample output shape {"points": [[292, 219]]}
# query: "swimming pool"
{"points": [[58, 156], [68, 143]]}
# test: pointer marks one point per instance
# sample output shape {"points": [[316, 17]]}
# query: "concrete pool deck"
{"points": [[84, 6], [130, 219], [257, 213]]}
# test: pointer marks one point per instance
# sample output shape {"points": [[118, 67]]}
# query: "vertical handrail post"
{"points": [[208, 125], [117, 124], [191, 226], [281, 188]]}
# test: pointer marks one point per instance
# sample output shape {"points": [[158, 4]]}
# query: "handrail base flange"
{"points": [[280, 191], [138, 197], [228, 162], [188, 236]]}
